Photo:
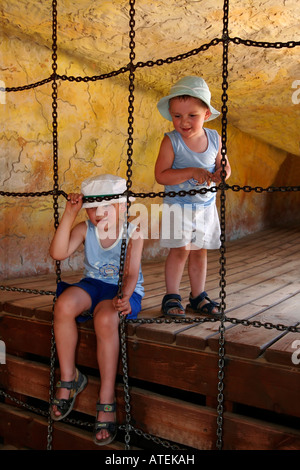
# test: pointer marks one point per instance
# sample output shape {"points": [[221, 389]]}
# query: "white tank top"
{"points": [[185, 157], [103, 263]]}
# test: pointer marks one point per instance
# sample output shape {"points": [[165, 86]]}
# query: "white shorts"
{"points": [[190, 224]]}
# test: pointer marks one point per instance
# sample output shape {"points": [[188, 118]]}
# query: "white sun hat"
{"points": [[191, 86], [104, 185]]}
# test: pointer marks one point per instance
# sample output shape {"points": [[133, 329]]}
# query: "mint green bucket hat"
{"points": [[191, 86]]}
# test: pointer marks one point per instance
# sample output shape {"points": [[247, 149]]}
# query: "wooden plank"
{"points": [[196, 426], [287, 291], [274, 387], [164, 417], [285, 351], [8, 296], [37, 384], [253, 293], [163, 332], [271, 388], [23, 427], [28, 306], [168, 418], [243, 433], [146, 314], [197, 336], [14, 333], [251, 342]]}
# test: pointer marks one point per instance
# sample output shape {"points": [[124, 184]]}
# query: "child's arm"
{"points": [[66, 240], [216, 176], [165, 174], [131, 273]]}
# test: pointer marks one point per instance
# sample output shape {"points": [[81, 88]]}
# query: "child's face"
{"points": [[107, 215], [188, 116]]}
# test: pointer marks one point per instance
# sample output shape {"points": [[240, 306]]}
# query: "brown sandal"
{"points": [[110, 426], [65, 406]]}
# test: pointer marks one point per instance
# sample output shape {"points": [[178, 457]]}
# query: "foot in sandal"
{"points": [[105, 428], [61, 407], [172, 307], [203, 304]]}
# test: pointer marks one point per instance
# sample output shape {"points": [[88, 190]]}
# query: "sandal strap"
{"points": [[171, 301], [110, 426], [208, 308], [65, 405], [64, 384], [169, 297], [62, 403], [195, 301], [72, 384], [110, 407]]}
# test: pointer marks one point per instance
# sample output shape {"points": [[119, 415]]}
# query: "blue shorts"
{"points": [[98, 291]]}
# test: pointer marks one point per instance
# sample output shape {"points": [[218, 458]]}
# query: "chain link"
{"points": [[151, 195], [159, 62], [55, 207], [222, 260], [124, 241]]}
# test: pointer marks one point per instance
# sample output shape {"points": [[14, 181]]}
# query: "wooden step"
{"points": [[155, 362], [192, 425], [173, 367]]}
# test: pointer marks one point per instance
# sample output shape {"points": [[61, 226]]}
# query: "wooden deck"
{"points": [[173, 367]]}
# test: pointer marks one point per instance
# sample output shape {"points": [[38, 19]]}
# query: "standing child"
{"points": [[96, 292], [189, 158]]}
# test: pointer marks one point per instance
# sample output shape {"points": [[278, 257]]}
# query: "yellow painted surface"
{"points": [[263, 129]]}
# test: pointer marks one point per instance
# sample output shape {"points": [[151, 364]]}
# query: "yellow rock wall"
{"points": [[92, 129]]}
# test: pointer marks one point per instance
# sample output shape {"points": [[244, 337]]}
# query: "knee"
{"points": [[198, 255], [180, 254], [105, 321], [65, 308]]}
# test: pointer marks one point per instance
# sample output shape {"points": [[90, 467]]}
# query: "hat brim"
{"points": [[105, 202], [163, 106]]}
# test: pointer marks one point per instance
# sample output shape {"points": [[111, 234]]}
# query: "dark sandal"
{"points": [[206, 308], [65, 406], [110, 426], [169, 302]]}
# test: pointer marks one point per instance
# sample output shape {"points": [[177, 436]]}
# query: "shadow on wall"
{"points": [[282, 207]]}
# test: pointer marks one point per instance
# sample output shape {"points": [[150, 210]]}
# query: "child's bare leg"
{"points": [[68, 306], [174, 267], [106, 324], [197, 269]]}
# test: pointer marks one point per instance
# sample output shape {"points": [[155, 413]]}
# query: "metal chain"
{"points": [[24, 405], [192, 192], [222, 260], [27, 291], [32, 194], [158, 62], [124, 241], [55, 207]]}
